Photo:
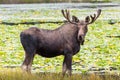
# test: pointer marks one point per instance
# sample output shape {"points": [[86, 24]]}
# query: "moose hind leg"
{"points": [[27, 63]]}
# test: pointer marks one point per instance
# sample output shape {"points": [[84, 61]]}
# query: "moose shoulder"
{"points": [[65, 40]]}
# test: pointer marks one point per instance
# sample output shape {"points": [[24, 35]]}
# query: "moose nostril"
{"points": [[80, 37]]}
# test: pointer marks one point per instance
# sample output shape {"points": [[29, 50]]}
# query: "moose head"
{"points": [[81, 24]]}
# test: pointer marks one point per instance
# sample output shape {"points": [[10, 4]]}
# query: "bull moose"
{"points": [[64, 40]]}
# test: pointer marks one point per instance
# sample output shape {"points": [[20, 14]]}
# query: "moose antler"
{"points": [[94, 17], [67, 15]]}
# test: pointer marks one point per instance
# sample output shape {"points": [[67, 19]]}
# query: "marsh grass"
{"points": [[17, 74]]}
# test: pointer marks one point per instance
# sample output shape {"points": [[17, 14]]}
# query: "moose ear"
{"points": [[87, 19], [75, 19]]}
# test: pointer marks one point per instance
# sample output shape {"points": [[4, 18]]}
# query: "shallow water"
{"points": [[9, 11]]}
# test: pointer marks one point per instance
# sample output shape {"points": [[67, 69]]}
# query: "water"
{"points": [[8, 11], [59, 6]]}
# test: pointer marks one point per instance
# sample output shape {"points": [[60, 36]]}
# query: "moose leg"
{"points": [[27, 63], [67, 64], [64, 68]]}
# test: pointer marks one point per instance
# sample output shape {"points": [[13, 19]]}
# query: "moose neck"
{"points": [[70, 31]]}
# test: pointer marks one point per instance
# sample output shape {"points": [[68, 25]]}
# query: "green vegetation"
{"points": [[101, 48]]}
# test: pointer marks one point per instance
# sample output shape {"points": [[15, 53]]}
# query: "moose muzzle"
{"points": [[81, 39]]}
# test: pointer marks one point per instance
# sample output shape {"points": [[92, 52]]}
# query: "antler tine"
{"points": [[63, 13], [67, 15], [94, 17]]}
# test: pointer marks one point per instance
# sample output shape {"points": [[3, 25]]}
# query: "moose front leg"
{"points": [[67, 64], [64, 68]]}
